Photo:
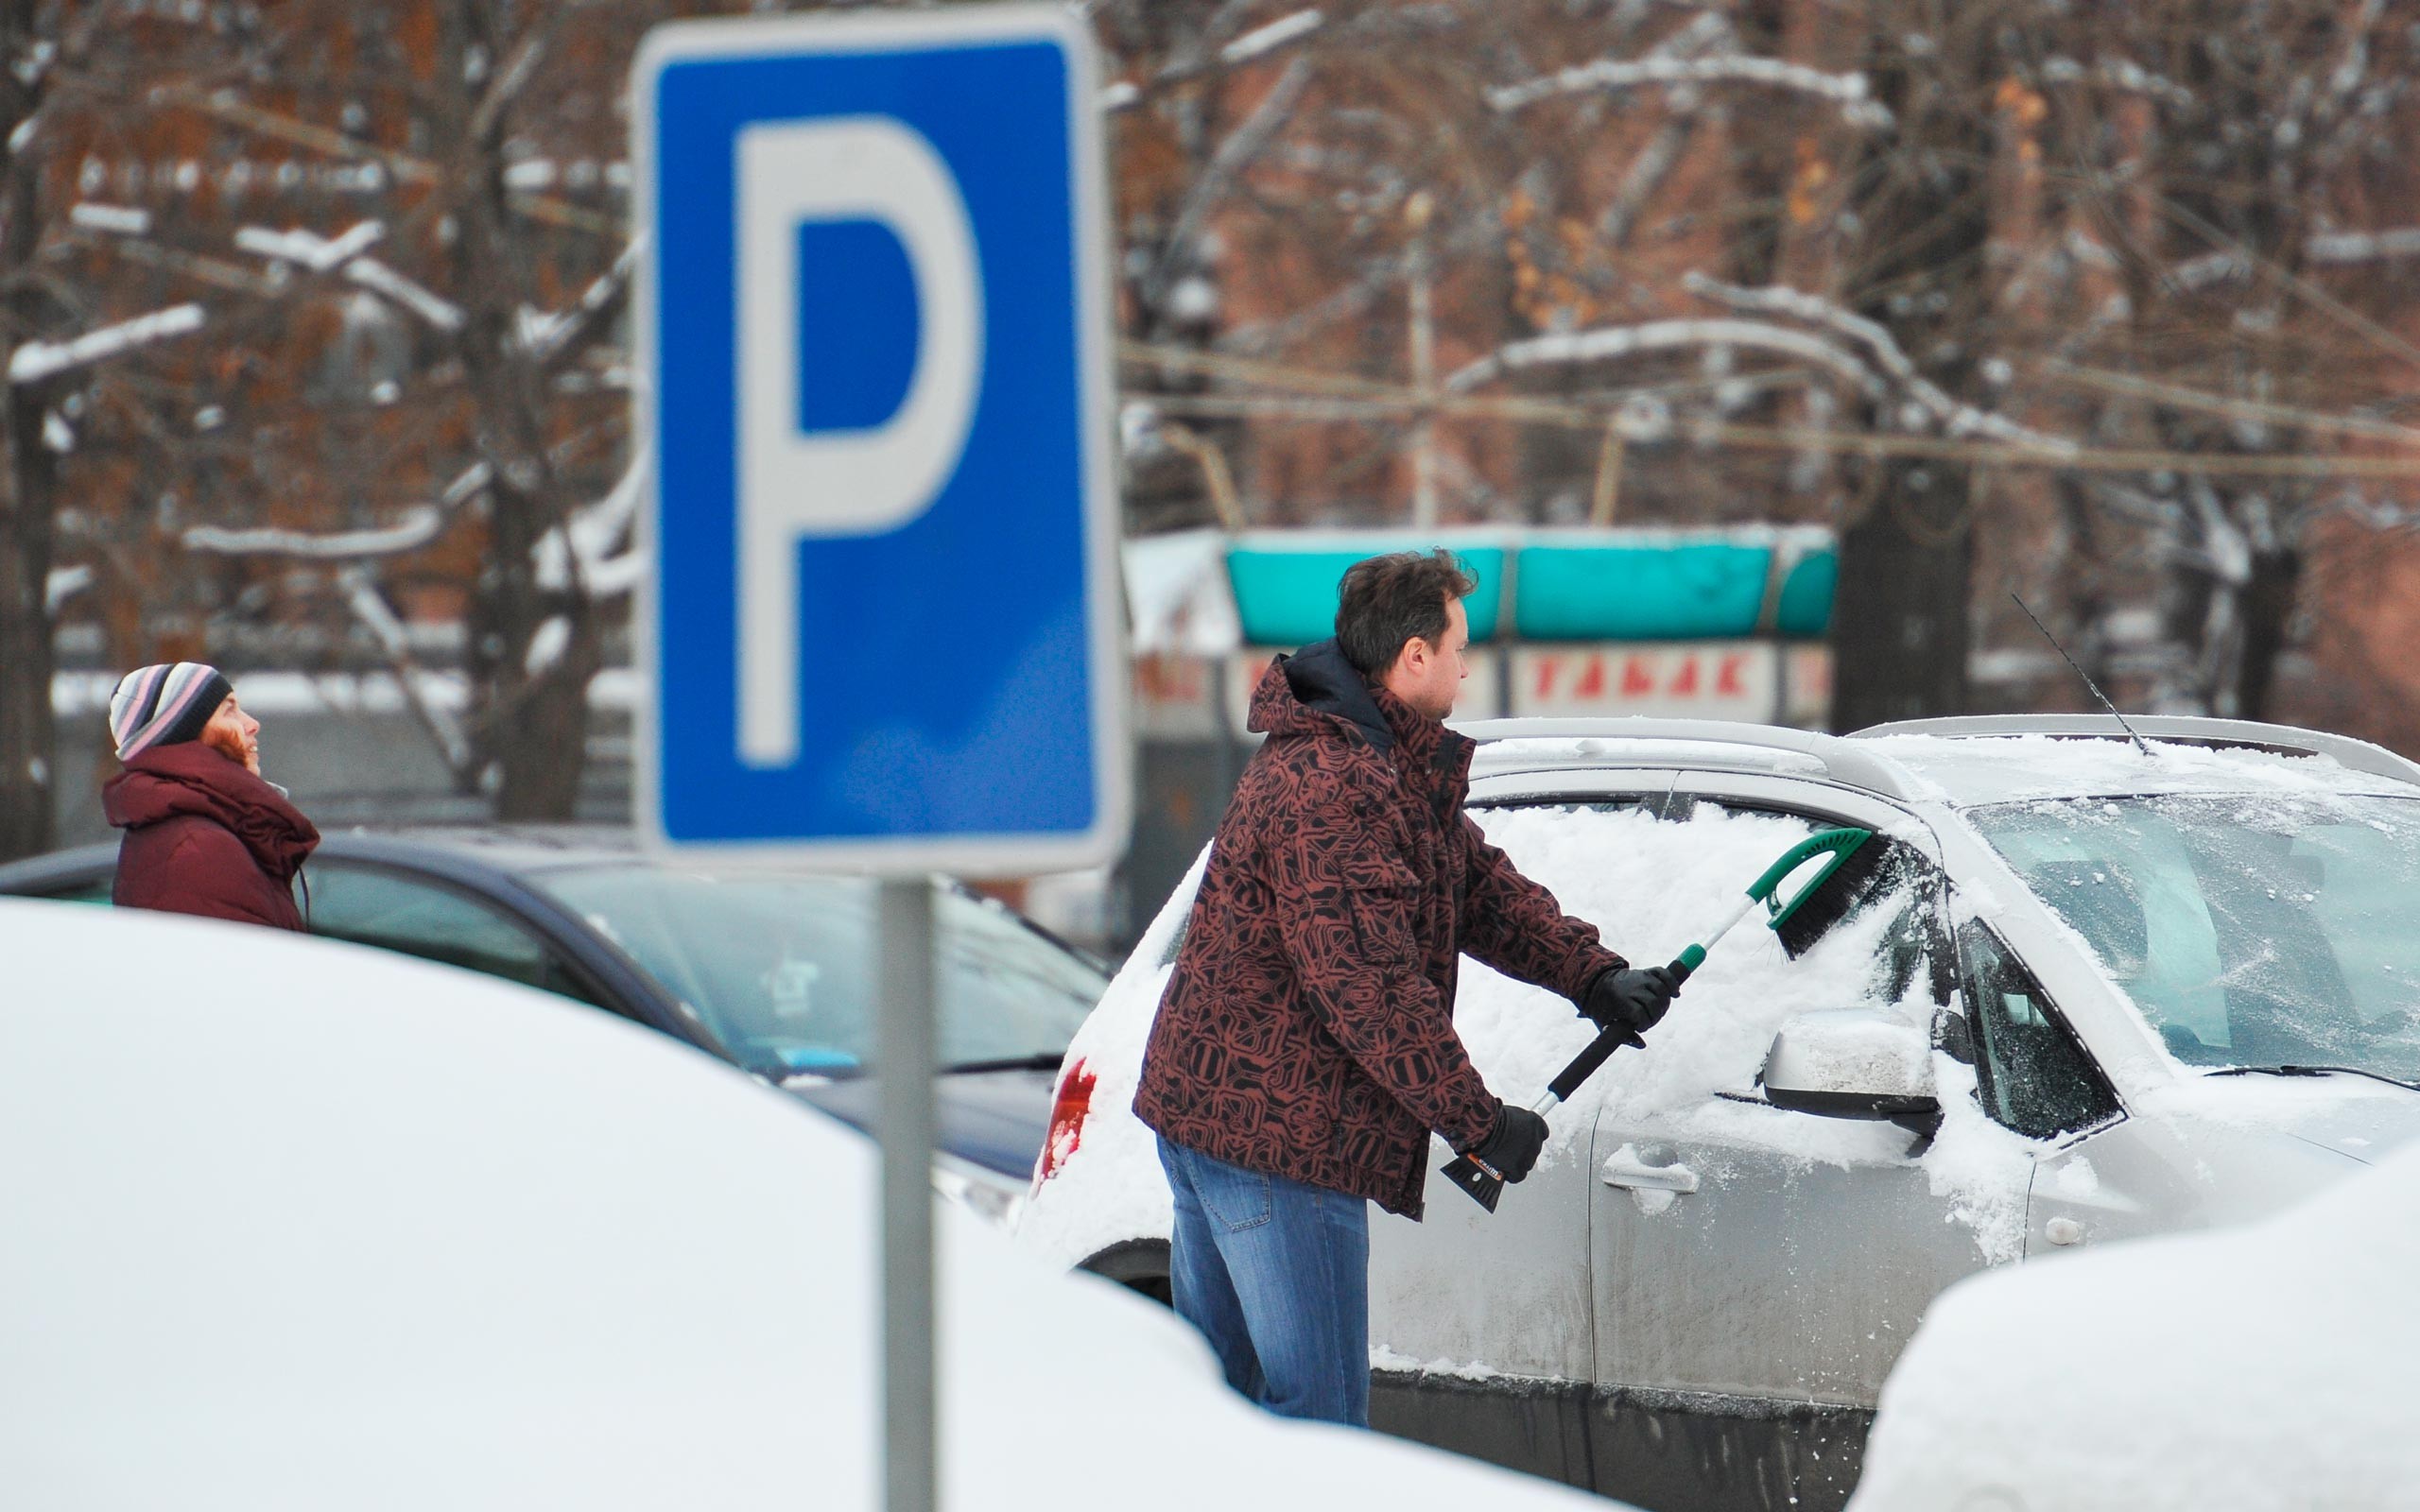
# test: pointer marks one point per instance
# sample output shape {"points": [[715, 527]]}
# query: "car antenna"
{"points": [[2086, 676]]}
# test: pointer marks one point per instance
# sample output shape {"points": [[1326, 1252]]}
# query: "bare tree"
{"points": [[441, 383], [55, 329]]}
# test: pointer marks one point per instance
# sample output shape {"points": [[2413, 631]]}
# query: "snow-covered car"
{"points": [[2093, 989], [760, 967], [2268, 1366], [296, 1225]]}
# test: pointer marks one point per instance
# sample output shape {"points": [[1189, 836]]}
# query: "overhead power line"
{"points": [[1304, 395]]}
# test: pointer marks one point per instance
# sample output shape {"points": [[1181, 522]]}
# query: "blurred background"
{"points": [[1756, 354]]}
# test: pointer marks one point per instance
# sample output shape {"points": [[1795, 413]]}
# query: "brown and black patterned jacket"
{"points": [[1308, 1030]]}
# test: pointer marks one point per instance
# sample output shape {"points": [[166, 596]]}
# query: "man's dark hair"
{"points": [[1385, 601]]}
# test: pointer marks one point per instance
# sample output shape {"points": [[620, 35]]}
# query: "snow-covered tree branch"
{"points": [[1850, 92], [581, 550], [37, 360], [1609, 343], [345, 256], [418, 527], [1260, 42], [1883, 351]]}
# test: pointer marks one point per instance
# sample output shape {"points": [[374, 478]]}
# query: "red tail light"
{"points": [[1067, 1113]]}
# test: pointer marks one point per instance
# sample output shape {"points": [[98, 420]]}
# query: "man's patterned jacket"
{"points": [[1308, 1030]]}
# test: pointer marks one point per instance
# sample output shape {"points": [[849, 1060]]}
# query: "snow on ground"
{"points": [[2271, 1366], [295, 1224]]}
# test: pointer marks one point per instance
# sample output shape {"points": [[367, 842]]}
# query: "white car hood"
{"points": [[2351, 1116]]}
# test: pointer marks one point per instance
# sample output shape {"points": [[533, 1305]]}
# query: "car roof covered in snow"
{"points": [[1964, 762]]}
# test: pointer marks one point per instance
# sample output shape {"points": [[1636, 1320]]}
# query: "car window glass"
{"points": [[1883, 873], [2268, 931], [782, 968], [1652, 886], [2035, 1079], [370, 905]]}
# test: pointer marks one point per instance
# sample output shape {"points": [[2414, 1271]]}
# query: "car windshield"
{"points": [[782, 968], [2257, 932]]}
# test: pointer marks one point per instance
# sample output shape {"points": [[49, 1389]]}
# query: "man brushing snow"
{"points": [[1305, 1046]]}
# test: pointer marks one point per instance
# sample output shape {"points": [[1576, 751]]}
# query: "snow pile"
{"points": [[281, 1209], [2271, 1366]]}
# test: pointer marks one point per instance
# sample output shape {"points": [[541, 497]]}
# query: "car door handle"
{"points": [[1624, 1169]]}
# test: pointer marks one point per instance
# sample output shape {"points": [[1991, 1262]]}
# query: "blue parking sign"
{"points": [[882, 630]]}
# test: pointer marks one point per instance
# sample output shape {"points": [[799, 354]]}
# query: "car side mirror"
{"points": [[1855, 1063]]}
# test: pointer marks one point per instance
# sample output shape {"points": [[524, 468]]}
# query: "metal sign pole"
{"points": [[904, 1059], [969, 137]]}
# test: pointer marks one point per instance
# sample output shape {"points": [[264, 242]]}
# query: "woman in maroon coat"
{"points": [[204, 835]]}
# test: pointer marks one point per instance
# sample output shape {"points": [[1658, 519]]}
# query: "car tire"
{"points": [[1138, 1264]]}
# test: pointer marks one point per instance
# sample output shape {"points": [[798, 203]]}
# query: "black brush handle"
{"points": [[1585, 1064]]}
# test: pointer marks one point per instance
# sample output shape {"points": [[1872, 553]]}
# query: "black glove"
{"points": [[1631, 998], [1512, 1147]]}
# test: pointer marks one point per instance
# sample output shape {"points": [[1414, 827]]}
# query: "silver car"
{"points": [[2092, 987]]}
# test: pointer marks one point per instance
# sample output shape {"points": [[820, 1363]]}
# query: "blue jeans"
{"points": [[1276, 1276]]}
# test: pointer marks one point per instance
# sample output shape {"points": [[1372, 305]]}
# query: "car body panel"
{"points": [[1764, 1281], [984, 1116], [1774, 1278], [1489, 1295], [2226, 1150]]}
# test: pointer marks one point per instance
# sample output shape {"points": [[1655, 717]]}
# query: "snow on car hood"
{"points": [[1967, 770], [2352, 1116], [2265, 1365]]}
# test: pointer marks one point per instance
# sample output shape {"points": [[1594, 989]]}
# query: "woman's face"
{"points": [[235, 734]]}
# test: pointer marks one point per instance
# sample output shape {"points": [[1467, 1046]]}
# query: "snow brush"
{"points": [[1486, 1185]]}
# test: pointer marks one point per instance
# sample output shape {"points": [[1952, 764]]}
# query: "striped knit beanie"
{"points": [[162, 705]]}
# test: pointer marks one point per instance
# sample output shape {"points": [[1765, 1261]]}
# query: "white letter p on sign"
{"points": [[794, 484]]}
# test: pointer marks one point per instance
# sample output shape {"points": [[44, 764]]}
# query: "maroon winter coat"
{"points": [[1308, 1030], [203, 835]]}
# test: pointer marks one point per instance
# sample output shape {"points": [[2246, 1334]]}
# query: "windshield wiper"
{"points": [[2316, 1070], [1040, 1060]]}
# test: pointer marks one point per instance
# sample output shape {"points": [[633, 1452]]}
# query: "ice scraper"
{"points": [[1844, 884]]}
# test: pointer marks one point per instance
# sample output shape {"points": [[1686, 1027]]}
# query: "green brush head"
{"points": [[1836, 846]]}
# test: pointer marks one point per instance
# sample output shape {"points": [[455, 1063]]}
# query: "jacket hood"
{"points": [[189, 778], [1305, 693]]}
